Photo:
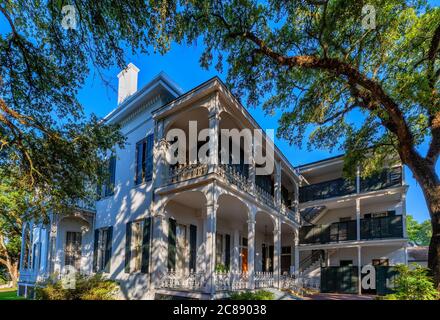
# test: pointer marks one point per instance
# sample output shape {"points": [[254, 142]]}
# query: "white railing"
{"points": [[264, 280], [229, 281], [192, 281]]}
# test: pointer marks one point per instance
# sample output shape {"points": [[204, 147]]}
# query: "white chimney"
{"points": [[128, 79]]}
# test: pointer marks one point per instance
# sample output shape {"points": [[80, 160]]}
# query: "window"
{"points": [[136, 245], [380, 262], [219, 249], [73, 250], [27, 248], [103, 249], [108, 187], [144, 159], [346, 263]]}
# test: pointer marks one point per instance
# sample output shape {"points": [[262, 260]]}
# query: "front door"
{"points": [[244, 259], [73, 250]]}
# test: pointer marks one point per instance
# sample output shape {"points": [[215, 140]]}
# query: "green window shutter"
{"points": [[149, 157], [171, 244], [112, 169], [146, 245], [95, 251], [127, 247], [227, 251], [192, 247], [139, 155], [108, 249]]}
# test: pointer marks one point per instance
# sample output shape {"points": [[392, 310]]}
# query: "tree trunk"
{"points": [[426, 176]]}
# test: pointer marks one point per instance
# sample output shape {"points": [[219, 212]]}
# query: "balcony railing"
{"points": [[341, 187], [371, 228], [382, 228], [328, 189]]}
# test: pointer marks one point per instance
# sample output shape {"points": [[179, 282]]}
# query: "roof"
{"points": [[418, 253], [129, 105], [319, 161]]}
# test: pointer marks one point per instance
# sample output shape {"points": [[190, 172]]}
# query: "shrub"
{"points": [[250, 295], [221, 268], [93, 287], [413, 284]]}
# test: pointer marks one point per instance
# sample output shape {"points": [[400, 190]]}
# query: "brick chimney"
{"points": [[127, 82]]}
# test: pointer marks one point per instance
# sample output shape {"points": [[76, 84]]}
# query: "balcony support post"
{"points": [[210, 250], [277, 184], [403, 204], [277, 252], [296, 252], [236, 253], [251, 249], [359, 269], [358, 179], [358, 219], [214, 130]]}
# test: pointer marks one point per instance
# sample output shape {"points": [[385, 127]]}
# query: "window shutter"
{"points": [[95, 251], [227, 251], [139, 154], [108, 249], [192, 247], [112, 172], [146, 246], [149, 157], [171, 244], [127, 247]]}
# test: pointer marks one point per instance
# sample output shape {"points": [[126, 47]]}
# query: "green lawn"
{"points": [[9, 294]]}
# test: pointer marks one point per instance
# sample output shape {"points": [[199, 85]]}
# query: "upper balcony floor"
{"points": [[324, 180]]}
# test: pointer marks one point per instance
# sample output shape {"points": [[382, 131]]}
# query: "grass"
{"points": [[9, 294]]}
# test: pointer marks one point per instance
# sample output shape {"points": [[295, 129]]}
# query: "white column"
{"points": [[358, 219], [277, 185], [296, 202], [358, 179], [214, 130], [159, 253], [403, 204], [296, 252], [236, 252], [251, 251], [211, 225], [359, 270], [277, 251]]}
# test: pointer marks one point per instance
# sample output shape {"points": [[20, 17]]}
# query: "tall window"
{"points": [[144, 159], [134, 245], [73, 250], [27, 248], [103, 249], [108, 187]]}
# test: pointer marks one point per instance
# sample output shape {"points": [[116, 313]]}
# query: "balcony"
{"points": [[341, 187], [232, 175], [371, 229]]}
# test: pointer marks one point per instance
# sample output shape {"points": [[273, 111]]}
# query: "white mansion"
{"points": [[200, 231]]}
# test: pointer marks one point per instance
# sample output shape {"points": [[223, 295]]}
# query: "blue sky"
{"points": [[182, 65]]}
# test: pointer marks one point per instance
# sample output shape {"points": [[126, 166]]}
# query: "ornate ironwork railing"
{"points": [[265, 196], [182, 172], [234, 176]]}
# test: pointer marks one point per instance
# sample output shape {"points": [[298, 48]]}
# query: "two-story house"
{"points": [[184, 229], [350, 222], [200, 230]]}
